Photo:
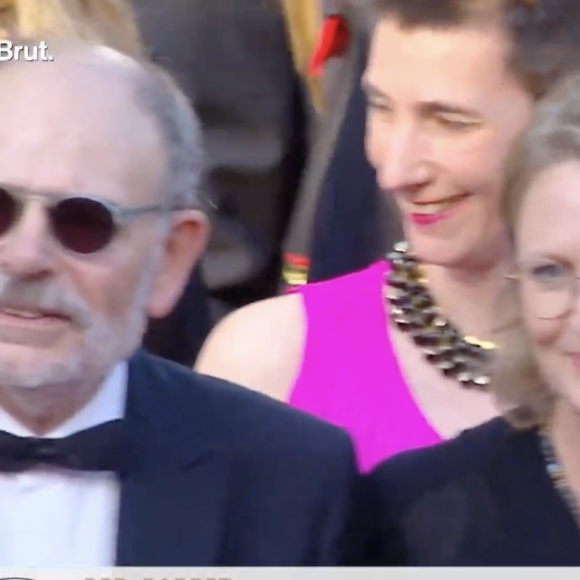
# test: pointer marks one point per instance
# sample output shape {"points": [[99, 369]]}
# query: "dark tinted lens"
{"points": [[8, 211], [82, 225]]}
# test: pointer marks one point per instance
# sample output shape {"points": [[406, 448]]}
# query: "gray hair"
{"points": [[159, 97]]}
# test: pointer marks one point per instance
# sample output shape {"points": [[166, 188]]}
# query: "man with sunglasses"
{"points": [[109, 456]]}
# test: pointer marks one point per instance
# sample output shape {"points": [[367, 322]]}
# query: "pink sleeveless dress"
{"points": [[349, 374]]}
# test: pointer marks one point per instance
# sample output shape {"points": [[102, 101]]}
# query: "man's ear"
{"points": [[184, 246]]}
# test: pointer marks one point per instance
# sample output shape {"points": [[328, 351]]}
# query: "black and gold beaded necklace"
{"points": [[414, 311]]}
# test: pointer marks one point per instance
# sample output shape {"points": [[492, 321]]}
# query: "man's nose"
{"points": [[402, 164], [25, 250]]}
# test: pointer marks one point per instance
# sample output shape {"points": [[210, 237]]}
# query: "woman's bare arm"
{"points": [[259, 346]]}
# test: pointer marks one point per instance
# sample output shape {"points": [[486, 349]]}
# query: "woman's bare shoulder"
{"points": [[259, 346]]}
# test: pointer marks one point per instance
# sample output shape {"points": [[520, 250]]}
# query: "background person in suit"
{"points": [[341, 222], [241, 62], [133, 461]]}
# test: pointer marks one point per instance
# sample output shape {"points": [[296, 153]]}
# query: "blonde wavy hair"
{"points": [[109, 22], [553, 137]]}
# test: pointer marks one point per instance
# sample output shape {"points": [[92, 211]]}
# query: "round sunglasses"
{"points": [[80, 224]]}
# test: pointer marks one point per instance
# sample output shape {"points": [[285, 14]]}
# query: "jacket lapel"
{"points": [[174, 491]]}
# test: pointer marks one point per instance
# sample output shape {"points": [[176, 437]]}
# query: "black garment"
{"points": [[222, 476], [482, 499]]}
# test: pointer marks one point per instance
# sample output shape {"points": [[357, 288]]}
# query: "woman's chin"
{"points": [[444, 253], [457, 251]]}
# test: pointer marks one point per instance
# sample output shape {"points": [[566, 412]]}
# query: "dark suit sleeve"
{"points": [[341, 223]]}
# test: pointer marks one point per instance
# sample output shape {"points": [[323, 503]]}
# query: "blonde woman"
{"points": [[110, 22], [507, 492]]}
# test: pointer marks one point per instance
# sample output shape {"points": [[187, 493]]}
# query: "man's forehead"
{"points": [[79, 66], [66, 93], [79, 118], [83, 82]]}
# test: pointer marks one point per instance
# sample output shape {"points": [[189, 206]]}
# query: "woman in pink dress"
{"points": [[389, 353]]}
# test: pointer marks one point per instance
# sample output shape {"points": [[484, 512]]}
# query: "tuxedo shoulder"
{"points": [[412, 475], [264, 422], [243, 418]]}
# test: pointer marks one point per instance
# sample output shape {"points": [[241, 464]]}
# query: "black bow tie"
{"points": [[99, 448]]}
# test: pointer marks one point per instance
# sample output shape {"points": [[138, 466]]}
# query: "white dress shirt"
{"points": [[57, 517]]}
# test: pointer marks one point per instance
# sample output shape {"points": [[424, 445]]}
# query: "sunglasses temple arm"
{"points": [[135, 211]]}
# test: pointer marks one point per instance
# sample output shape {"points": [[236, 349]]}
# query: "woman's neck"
{"points": [[468, 297]]}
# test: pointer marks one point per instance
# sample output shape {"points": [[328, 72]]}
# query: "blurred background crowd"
{"points": [[276, 84]]}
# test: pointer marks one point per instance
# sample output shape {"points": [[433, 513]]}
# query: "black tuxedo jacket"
{"points": [[222, 476]]}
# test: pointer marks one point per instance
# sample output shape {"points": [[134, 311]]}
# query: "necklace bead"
{"points": [[413, 310]]}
